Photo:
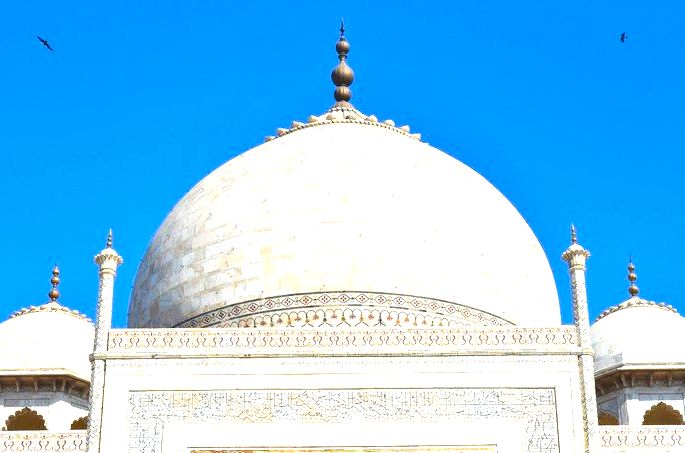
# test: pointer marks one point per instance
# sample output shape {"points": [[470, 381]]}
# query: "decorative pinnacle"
{"points": [[574, 238], [342, 76], [575, 255], [633, 290], [108, 259], [54, 292]]}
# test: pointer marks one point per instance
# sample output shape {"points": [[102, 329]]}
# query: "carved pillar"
{"points": [[576, 257], [107, 260]]}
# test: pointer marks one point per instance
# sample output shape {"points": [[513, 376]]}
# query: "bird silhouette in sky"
{"points": [[623, 37], [44, 42]]}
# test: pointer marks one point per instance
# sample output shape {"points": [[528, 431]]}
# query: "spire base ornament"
{"points": [[108, 260]]}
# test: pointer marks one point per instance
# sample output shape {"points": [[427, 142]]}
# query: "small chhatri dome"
{"points": [[342, 75], [616, 343], [633, 290], [48, 339], [54, 292]]}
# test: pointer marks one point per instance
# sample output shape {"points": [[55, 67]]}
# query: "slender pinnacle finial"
{"points": [[109, 239], [54, 292], [633, 290], [574, 237], [342, 76]]}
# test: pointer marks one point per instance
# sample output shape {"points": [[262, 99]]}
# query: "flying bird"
{"points": [[623, 37], [44, 42]]}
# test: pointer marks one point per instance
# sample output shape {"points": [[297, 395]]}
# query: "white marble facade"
{"points": [[343, 287]]}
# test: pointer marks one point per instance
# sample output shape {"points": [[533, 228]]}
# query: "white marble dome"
{"points": [[638, 334], [348, 205], [46, 340]]}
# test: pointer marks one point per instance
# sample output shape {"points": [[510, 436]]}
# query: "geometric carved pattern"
{"points": [[344, 309], [25, 420], [535, 408], [662, 414]]}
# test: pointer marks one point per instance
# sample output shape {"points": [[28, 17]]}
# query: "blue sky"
{"points": [[140, 100]]}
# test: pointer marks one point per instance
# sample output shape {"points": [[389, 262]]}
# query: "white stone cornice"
{"points": [[44, 383]]}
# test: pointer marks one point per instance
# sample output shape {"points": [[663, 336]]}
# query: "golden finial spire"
{"points": [[54, 292], [632, 276], [574, 238], [342, 75], [109, 239]]}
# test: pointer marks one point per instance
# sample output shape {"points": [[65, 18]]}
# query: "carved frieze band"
{"points": [[534, 408], [274, 342], [656, 438], [316, 309], [20, 441]]}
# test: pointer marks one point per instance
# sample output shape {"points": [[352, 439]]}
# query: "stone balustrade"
{"points": [[662, 439], [18, 441], [387, 341]]}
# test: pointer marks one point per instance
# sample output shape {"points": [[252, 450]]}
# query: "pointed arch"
{"points": [[607, 418], [25, 420], [662, 414], [80, 423]]}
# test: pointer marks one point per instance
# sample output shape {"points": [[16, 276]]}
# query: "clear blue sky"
{"points": [[140, 100]]}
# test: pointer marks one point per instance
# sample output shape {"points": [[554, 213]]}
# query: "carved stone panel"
{"points": [[534, 408]]}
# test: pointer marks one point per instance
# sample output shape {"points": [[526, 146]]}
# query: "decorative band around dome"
{"points": [[384, 309]]}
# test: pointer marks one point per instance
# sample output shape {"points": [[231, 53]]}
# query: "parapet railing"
{"points": [[658, 438], [18, 441], [354, 341]]}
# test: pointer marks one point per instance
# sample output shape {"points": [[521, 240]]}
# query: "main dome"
{"points": [[349, 205]]}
